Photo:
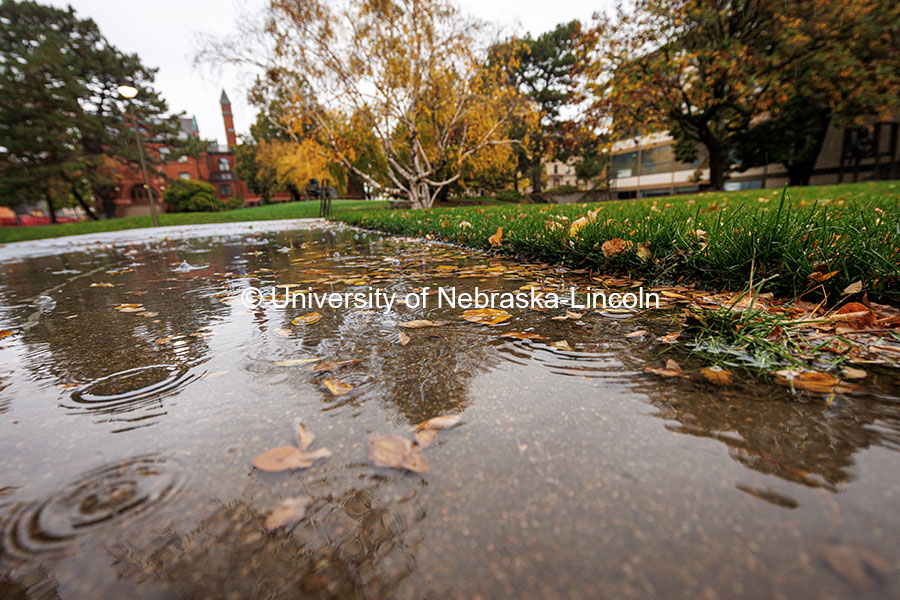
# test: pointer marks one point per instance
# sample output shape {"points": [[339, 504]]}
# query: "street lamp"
{"points": [[128, 91]]}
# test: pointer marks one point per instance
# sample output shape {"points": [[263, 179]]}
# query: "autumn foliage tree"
{"points": [[408, 75]]}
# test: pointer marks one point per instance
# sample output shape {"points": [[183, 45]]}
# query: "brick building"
{"points": [[214, 166]]}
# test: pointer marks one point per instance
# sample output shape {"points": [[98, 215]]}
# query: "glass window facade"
{"points": [[624, 165]]}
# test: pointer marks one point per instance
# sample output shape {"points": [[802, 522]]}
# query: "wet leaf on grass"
{"points": [[418, 323], [672, 369], [717, 375], [486, 316], [439, 423], [403, 339], [859, 566], [521, 335], [337, 387], [307, 319], [613, 247], [851, 373], [853, 288], [287, 458], [497, 238], [288, 511], [395, 452], [293, 362]]}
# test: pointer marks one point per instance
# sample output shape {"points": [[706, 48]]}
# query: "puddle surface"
{"points": [[126, 438]]}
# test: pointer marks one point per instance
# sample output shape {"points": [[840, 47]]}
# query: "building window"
{"points": [[164, 154], [224, 165], [567, 169], [624, 165], [184, 175], [182, 159], [660, 159], [555, 169], [224, 191]]}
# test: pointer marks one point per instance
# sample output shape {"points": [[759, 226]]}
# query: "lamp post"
{"points": [[128, 91]]}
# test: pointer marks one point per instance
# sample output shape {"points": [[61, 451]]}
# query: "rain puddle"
{"points": [[137, 391]]}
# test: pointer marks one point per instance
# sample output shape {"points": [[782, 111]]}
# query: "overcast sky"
{"points": [[162, 33]]}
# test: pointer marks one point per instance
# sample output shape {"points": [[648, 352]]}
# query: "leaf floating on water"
{"points": [[403, 339], [283, 332], [293, 362], [670, 338], [334, 365], [395, 452], [853, 288], [130, 308], [561, 345], [439, 423], [425, 437], [520, 335], [308, 319], [288, 511], [418, 323], [858, 565], [638, 333], [5, 333], [486, 316], [717, 375], [811, 381], [148, 314], [287, 458], [304, 436], [337, 387], [851, 373], [613, 247], [496, 239], [672, 369], [104, 284]]}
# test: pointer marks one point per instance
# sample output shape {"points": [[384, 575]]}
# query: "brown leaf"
{"points": [[717, 375], [613, 247], [670, 338], [853, 288], [486, 316], [854, 313], [520, 335], [395, 452], [403, 339], [643, 252], [820, 277], [858, 565], [570, 314], [304, 436], [497, 238], [307, 319], [286, 458], [637, 333], [418, 323], [425, 437], [439, 423], [5, 333], [337, 387], [289, 510], [810, 381], [672, 369]]}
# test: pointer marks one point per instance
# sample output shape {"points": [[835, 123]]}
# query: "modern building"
{"points": [[646, 166]]}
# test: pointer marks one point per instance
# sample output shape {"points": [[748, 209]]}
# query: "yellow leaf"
{"points": [[495, 239], [717, 375], [337, 387], [308, 319], [486, 316], [577, 226], [418, 323]]}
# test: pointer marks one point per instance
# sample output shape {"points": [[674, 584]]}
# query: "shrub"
{"points": [[232, 203], [187, 195], [508, 196], [562, 189]]}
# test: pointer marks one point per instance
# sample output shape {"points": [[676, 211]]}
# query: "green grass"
{"points": [[286, 210], [847, 232]]}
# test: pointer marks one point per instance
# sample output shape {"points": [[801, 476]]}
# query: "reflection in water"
{"points": [[558, 483]]}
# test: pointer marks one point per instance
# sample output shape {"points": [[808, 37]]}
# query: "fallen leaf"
{"points": [[575, 227], [717, 375], [638, 333], [670, 338], [519, 335], [293, 362], [672, 369], [286, 458], [337, 387], [439, 423], [486, 316], [613, 247], [810, 381], [283, 332], [418, 323], [335, 365], [396, 452], [570, 314], [853, 288], [130, 308], [289, 510], [464, 225], [496, 239], [561, 345], [304, 436], [149, 314], [425, 437], [403, 339], [854, 313], [820, 277], [104, 284], [5, 333], [643, 252], [308, 319], [858, 565], [851, 373]]}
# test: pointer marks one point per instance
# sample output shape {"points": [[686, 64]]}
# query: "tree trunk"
{"points": [[537, 182], [718, 162], [800, 171], [50, 208], [105, 193], [84, 205]]}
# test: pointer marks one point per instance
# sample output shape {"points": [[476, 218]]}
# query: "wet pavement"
{"points": [[136, 389]]}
